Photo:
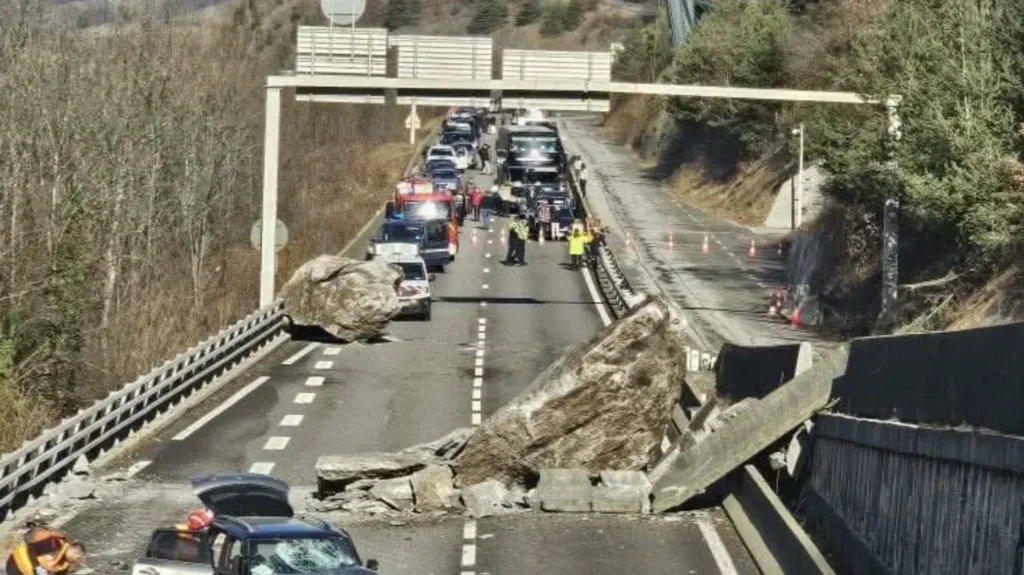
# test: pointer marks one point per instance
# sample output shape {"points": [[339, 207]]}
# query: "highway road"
{"points": [[725, 290], [494, 328]]}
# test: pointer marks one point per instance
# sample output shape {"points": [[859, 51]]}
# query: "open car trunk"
{"points": [[243, 495]]}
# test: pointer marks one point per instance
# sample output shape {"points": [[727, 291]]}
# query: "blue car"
{"points": [[254, 531]]}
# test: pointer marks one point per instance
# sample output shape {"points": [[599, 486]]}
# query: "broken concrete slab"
{"points": [[78, 489], [445, 447], [565, 490], [433, 488], [484, 499], [730, 413], [619, 499], [397, 493], [684, 474], [335, 472], [603, 405]]}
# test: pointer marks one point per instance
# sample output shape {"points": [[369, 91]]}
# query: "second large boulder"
{"points": [[351, 299], [603, 405]]}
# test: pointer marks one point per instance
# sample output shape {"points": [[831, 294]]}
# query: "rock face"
{"points": [[603, 405], [351, 299]]}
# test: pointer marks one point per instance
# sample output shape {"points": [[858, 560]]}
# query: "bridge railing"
{"points": [[25, 471]]}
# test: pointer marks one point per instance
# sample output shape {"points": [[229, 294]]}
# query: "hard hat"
{"points": [[199, 519]]}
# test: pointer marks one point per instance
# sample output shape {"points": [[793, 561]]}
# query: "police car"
{"points": [[414, 291]]}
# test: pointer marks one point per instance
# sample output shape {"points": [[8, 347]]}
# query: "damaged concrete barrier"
{"points": [[604, 404], [686, 472], [622, 492], [337, 473], [566, 490]]}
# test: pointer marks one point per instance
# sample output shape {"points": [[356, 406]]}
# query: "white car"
{"points": [[440, 152], [414, 291]]}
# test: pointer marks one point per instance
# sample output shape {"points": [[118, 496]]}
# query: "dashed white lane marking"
{"points": [[479, 353], [314, 381], [475, 419], [483, 303], [304, 397], [476, 406], [264, 467], [478, 372], [487, 270], [482, 321], [478, 381], [487, 256], [324, 365], [479, 362], [333, 350], [469, 555], [482, 335], [761, 285], [485, 286], [490, 242], [301, 353], [292, 420], [477, 392], [136, 468], [719, 242], [469, 530], [277, 443], [241, 393], [717, 547], [596, 297]]}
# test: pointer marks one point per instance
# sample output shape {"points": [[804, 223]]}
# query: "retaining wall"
{"points": [[889, 498], [743, 371]]}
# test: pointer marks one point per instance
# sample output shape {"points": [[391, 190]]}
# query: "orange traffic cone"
{"points": [[704, 248], [670, 240], [773, 304], [474, 235], [780, 249], [753, 250], [540, 236], [795, 320]]}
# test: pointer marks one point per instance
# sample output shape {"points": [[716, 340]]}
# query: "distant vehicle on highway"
{"points": [[440, 152], [446, 178], [254, 532], [438, 163]]}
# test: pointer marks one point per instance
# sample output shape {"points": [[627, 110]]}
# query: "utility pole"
{"points": [[890, 218], [798, 197], [271, 146]]}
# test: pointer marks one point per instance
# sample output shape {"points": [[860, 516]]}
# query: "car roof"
{"points": [[277, 527], [440, 146]]}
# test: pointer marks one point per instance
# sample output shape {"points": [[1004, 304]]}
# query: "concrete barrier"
{"points": [[970, 377], [686, 473], [775, 540], [747, 371]]}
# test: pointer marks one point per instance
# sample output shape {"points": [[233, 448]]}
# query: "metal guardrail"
{"points": [[47, 457]]}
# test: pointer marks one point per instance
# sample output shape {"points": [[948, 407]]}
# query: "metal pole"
{"points": [[271, 142], [412, 125], [800, 181], [890, 219]]}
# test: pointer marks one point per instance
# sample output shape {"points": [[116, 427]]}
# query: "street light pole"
{"points": [[798, 200], [271, 143]]}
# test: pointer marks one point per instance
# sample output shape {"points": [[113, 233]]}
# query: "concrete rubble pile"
{"points": [[77, 488], [578, 439], [352, 300]]}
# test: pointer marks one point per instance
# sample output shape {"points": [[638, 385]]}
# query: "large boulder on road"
{"points": [[351, 299], [603, 405]]}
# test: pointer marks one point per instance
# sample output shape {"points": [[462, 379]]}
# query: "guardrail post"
{"points": [[271, 141]]}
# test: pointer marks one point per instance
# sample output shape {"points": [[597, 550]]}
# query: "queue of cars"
{"points": [[420, 229]]}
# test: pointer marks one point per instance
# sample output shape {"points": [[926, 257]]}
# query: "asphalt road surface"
{"points": [[494, 328], [725, 289]]}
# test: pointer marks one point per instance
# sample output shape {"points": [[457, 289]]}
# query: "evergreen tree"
{"points": [[529, 13], [489, 16]]}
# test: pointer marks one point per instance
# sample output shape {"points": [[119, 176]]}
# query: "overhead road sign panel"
{"points": [[343, 12], [556, 65], [443, 57], [341, 51]]}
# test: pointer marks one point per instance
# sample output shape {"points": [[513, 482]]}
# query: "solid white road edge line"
{"points": [[717, 547], [241, 393], [596, 296], [302, 353], [137, 467]]}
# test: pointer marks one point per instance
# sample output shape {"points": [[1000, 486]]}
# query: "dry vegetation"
{"points": [[130, 175]]}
